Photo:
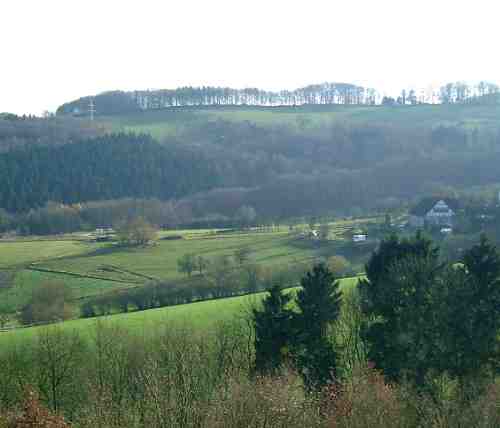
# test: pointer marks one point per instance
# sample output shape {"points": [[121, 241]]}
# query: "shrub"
{"points": [[49, 302], [366, 400], [35, 415], [136, 232], [264, 402], [339, 265]]}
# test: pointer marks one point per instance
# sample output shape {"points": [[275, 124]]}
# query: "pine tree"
{"points": [[319, 306], [474, 319], [272, 331], [400, 299]]}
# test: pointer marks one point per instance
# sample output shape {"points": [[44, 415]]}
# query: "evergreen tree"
{"points": [[425, 318], [474, 312], [378, 297], [319, 306], [272, 331], [400, 298]]}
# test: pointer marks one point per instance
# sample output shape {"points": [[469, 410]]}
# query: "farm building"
{"points": [[434, 212], [104, 234], [359, 237]]}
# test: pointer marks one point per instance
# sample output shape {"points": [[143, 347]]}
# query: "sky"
{"points": [[54, 51]]}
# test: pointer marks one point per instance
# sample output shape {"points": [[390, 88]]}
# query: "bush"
{"points": [[339, 265], [264, 402], [136, 232], [35, 415], [49, 303], [366, 400]]}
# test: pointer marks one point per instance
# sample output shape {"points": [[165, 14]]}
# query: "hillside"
{"points": [[211, 161], [340, 159], [109, 167], [178, 120]]}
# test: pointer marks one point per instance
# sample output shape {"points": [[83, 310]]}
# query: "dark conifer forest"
{"points": [[110, 167], [321, 150]]}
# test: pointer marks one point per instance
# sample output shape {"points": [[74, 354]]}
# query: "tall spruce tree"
{"points": [[474, 312], [273, 331], [319, 303], [400, 297], [425, 318]]}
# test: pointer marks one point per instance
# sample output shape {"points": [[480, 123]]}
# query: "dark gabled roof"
{"points": [[426, 204]]}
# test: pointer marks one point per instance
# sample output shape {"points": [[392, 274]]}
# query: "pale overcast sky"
{"points": [[54, 51]]}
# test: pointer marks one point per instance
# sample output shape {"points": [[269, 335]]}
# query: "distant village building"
{"points": [[102, 234], [446, 230], [434, 212], [359, 237]]}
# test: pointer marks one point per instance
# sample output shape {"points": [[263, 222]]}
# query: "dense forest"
{"points": [[216, 165], [109, 167], [18, 131]]}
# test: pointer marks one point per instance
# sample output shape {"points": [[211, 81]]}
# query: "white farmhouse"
{"points": [[434, 212]]}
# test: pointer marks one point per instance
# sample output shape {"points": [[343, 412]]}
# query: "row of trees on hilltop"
{"points": [[122, 102], [462, 92], [328, 93], [325, 93]]}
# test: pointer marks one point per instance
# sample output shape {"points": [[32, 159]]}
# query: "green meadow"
{"points": [[176, 121], [200, 316], [18, 253], [88, 269]]}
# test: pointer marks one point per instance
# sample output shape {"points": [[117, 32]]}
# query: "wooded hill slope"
{"points": [[109, 167], [283, 161]]}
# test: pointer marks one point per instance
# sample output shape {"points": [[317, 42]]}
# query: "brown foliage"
{"points": [[34, 415], [264, 402], [366, 401], [456, 411], [136, 232]]}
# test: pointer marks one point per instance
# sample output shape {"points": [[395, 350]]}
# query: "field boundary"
{"points": [[80, 275], [130, 272], [245, 294]]}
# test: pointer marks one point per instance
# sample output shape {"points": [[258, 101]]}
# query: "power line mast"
{"points": [[91, 109]]}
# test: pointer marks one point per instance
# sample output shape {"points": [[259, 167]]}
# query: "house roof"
{"points": [[426, 204]]}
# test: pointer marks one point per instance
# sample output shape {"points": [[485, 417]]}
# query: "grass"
{"points": [[160, 261], [201, 316], [173, 122], [18, 253], [89, 269], [25, 281]]}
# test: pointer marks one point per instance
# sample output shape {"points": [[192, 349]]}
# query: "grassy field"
{"points": [[172, 122], [18, 253], [25, 281], [200, 315], [89, 269], [160, 261]]}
